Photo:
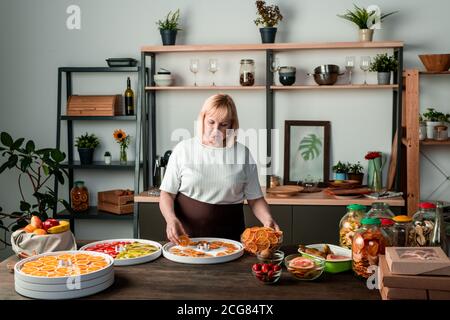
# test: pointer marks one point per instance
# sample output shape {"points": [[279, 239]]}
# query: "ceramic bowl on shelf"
{"points": [[163, 80]]}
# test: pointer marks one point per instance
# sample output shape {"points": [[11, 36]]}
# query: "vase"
{"points": [[374, 178], [384, 78], [365, 35], [268, 34], [168, 37], [123, 155]]}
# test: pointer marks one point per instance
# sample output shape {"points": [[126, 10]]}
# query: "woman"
{"points": [[209, 176]]}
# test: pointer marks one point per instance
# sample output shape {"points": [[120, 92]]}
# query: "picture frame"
{"points": [[306, 151]]}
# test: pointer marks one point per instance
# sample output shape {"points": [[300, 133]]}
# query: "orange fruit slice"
{"points": [[184, 240]]}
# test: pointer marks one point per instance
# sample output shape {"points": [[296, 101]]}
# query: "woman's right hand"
{"points": [[174, 229]]}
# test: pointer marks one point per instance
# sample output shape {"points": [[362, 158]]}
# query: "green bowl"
{"points": [[333, 266]]}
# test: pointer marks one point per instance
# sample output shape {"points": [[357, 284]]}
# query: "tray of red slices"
{"points": [[203, 250], [127, 252]]}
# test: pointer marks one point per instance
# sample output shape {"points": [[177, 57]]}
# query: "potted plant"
{"points": [[355, 172], [86, 145], [268, 17], [433, 118], [107, 157], [340, 169], [422, 128], [41, 167], [383, 65], [169, 27], [364, 20]]}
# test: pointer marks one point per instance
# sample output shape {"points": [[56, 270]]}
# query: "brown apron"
{"points": [[201, 219]]}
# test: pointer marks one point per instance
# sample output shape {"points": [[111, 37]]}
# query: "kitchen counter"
{"points": [[317, 198], [164, 279]]}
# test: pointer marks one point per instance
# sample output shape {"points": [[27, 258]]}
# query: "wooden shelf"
{"points": [[331, 87], [319, 198], [434, 72], [274, 46], [181, 88], [97, 118], [115, 165], [430, 142], [93, 214]]}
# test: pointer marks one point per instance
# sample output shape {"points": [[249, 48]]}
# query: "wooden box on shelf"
{"points": [[98, 105], [116, 201]]}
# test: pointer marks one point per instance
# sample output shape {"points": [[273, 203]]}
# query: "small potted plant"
{"points": [[433, 118], [107, 157], [169, 27], [340, 169], [355, 172], [383, 65], [86, 145], [422, 128], [364, 20], [268, 18]]}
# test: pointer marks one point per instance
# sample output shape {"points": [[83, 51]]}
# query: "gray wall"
{"points": [[35, 42]]}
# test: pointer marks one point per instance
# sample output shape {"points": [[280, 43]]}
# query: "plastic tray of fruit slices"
{"points": [[203, 250], [127, 252], [63, 275]]}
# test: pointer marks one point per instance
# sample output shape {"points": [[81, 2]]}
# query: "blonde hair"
{"points": [[223, 106]]}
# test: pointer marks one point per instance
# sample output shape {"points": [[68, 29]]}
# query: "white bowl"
{"points": [[163, 80]]}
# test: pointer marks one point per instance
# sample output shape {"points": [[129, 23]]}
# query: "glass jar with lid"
{"points": [[247, 72], [368, 243], [401, 231], [380, 210], [423, 225], [79, 197], [349, 223], [388, 227]]}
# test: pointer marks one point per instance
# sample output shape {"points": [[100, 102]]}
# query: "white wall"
{"points": [[35, 42]]}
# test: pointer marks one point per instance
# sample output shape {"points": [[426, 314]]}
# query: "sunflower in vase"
{"points": [[123, 140]]}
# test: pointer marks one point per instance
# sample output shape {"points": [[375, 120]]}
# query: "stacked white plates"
{"points": [[63, 287]]}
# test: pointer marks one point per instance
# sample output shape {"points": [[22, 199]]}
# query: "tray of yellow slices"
{"points": [[63, 275], [203, 250]]}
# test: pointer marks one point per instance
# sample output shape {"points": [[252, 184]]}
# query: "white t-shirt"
{"points": [[212, 175]]}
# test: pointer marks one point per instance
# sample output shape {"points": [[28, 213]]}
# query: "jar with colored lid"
{"points": [[388, 225], [423, 225], [349, 223], [380, 210], [401, 231], [79, 197], [368, 243]]}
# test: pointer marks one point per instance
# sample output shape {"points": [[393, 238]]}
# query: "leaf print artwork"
{"points": [[310, 147]]}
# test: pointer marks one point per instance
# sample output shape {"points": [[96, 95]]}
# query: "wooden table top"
{"points": [[164, 279]]}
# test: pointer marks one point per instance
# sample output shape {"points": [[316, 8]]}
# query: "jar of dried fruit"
{"points": [[368, 243], [79, 196], [247, 72], [423, 225], [349, 223], [380, 210]]}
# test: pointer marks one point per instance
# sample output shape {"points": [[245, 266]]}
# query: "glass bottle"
{"points": [[423, 225], [349, 223], [79, 196], [380, 210], [387, 225], [401, 231], [368, 243], [247, 72], [439, 236]]}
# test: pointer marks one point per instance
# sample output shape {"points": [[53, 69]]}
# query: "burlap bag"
{"points": [[27, 244]]}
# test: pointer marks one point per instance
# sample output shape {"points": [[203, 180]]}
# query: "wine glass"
{"points": [[365, 65], [213, 68], [194, 69], [349, 65], [275, 66]]}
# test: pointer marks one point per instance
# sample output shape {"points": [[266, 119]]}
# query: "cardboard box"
{"points": [[387, 279], [418, 261]]}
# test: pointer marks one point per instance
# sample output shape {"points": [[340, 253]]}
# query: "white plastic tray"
{"points": [[201, 260], [129, 262]]}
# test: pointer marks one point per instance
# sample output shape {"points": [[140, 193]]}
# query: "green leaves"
{"points": [[384, 63], [170, 22], [86, 140], [30, 146], [361, 17], [310, 147], [6, 139]]}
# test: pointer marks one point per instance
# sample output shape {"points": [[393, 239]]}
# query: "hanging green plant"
{"points": [[310, 147]]}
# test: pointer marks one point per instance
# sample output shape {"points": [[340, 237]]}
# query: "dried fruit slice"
{"points": [[184, 240], [301, 263]]}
